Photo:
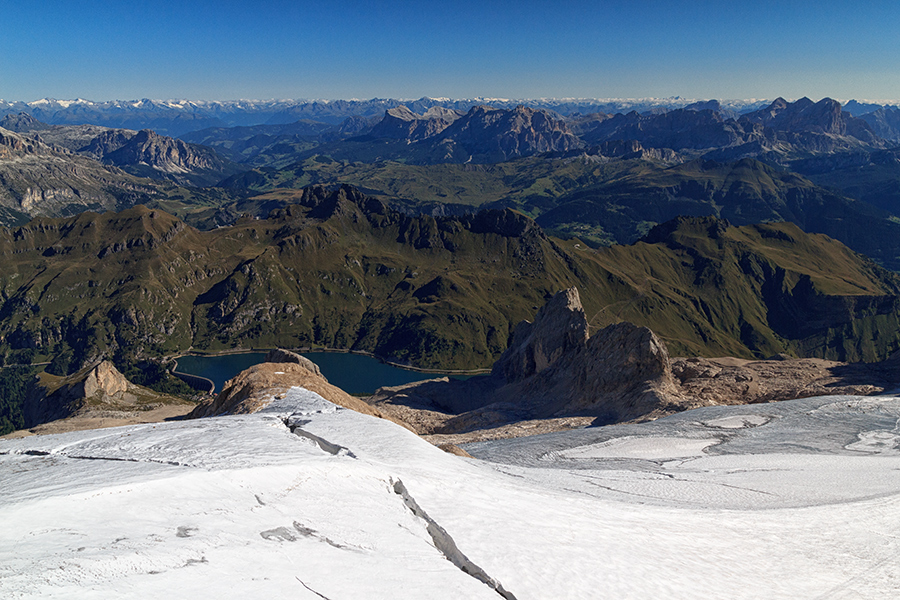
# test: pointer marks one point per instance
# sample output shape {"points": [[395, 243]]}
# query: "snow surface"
{"points": [[798, 499]]}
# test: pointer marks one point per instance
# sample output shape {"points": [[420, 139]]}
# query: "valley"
{"points": [[423, 232]]}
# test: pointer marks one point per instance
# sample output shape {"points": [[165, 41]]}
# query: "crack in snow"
{"points": [[58, 453], [445, 544], [310, 589], [133, 460], [322, 443]]}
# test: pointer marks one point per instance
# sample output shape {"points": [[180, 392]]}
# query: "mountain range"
{"points": [[143, 153], [175, 117], [422, 176], [779, 133]]}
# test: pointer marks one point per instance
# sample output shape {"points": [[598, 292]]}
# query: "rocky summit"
{"points": [[402, 123], [553, 370]]}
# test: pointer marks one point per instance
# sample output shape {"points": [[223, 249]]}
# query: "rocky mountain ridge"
{"points": [[39, 179], [341, 269], [778, 131], [143, 153]]}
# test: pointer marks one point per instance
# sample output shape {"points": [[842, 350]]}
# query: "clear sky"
{"points": [[223, 50]]}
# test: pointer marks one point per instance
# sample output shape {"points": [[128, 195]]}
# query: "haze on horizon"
{"points": [[204, 50]]}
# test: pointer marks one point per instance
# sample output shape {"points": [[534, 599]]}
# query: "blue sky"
{"points": [[104, 50]]}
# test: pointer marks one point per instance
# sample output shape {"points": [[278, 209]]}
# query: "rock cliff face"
{"points": [[101, 388], [559, 328], [402, 123], [552, 370]]}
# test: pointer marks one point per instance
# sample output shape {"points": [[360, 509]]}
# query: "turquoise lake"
{"points": [[353, 373]]}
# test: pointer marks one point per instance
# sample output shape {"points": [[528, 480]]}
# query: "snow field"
{"points": [[349, 506]]}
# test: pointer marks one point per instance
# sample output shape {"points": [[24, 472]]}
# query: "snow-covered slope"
{"points": [[307, 500]]}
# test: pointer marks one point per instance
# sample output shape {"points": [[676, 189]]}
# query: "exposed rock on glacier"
{"points": [[256, 388], [559, 328]]}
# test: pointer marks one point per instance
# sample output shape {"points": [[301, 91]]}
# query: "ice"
{"points": [[641, 447], [737, 421]]}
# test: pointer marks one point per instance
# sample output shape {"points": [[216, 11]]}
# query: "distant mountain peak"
{"points": [[22, 122]]}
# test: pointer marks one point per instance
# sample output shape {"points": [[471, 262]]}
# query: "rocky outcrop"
{"points": [[106, 381], [620, 373], [97, 389], [255, 388], [552, 370], [403, 124], [280, 355], [559, 328]]}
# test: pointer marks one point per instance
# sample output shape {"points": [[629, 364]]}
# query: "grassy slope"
{"points": [[343, 270]]}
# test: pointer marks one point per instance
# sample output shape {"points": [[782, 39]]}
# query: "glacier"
{"points": [[798, 499]]}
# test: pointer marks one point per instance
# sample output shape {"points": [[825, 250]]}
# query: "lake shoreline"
{"points": [[309, 349], [356, 372]]}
